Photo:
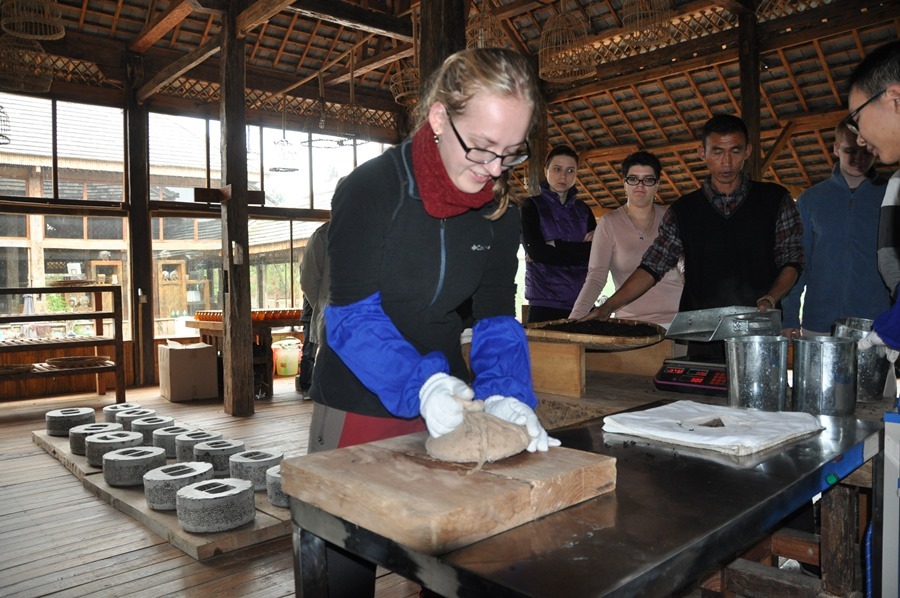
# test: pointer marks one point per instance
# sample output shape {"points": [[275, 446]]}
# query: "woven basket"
{"points": [[32, 19], [565, 55]]}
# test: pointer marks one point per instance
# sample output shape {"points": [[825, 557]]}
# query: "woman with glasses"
{"points": [[620, 241], [556, 230], [415, 233]]}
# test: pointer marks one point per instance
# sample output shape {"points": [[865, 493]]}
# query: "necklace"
{"points": [[640, 230]]}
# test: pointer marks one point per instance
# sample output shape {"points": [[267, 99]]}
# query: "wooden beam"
{"points": [[239, 387], [443, 27], [176, 12], [355, 17], [258, 13], [704, 52], [776, 148], [178, 68], [737, 7], [748, 62], [373, 63], [801, 124]]}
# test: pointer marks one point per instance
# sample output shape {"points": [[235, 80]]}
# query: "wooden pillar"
{"points": [[238, 334], [443, 28], [750, 103], [137, 184], [539, 151]]}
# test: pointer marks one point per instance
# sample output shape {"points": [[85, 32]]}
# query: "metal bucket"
{"points": [[757, 372], [872, 366], [824, 375]]}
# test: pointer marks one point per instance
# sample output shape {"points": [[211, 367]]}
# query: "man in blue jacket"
{"points": [[840, 239]]}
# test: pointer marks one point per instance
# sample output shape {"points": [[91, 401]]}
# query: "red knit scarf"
{"points": [[441, 197]]}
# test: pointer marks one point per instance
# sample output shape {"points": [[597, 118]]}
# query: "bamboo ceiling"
{"points": [[653, 99]]}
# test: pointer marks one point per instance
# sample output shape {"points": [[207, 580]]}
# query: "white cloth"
{"points": [[727, 430]]}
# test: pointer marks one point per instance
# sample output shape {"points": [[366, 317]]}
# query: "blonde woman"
{"points": [[414, 234]]}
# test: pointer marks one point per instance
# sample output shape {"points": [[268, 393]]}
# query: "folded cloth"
{"points": [[727, 430]]}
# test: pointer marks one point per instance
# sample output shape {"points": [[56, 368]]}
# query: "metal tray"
{"points": [[705, 325]]}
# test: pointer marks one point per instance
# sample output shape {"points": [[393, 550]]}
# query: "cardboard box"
{"points": [[187, 372]]}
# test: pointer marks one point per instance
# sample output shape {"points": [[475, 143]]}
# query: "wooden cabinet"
{"points": [[171, 280], [103, 295], [106, 272]]}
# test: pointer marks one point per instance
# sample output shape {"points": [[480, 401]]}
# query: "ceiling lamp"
{"points": [[24, 66], [320, 112], [565, 54], [405, 82], [285, 153], [4, 127], [484, 30], [647, 21], [32, 19]]}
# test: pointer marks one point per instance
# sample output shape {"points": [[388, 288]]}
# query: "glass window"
{"points": [[25, 162], [64, 227], [286, 189], [90, 149], [177, 156], [271, 284], [329, 165], [13, 226], [187, 273]]}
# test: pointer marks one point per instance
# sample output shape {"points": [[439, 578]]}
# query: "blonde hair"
{"points": [[498, 71]]}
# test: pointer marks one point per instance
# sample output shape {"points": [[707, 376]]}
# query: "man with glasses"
{"points": [[840, 232], [557, 228], [874, 117], [741, 239]]}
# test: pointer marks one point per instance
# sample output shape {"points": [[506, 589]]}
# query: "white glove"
{"points": [[516, 412], [441, 403], [873, 340], [870, 340]]}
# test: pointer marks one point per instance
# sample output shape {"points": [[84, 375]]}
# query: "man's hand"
{"points": [[516, 412], [598, 313], [441, 403]]}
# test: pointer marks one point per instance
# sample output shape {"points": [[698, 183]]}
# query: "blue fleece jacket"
{"points": [[840, 243]]}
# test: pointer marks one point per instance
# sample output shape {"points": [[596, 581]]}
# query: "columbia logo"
{"points": [[480, 247]]}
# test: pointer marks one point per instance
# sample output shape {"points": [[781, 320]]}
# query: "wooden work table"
{"points": [[674, 517], [211, 332]]}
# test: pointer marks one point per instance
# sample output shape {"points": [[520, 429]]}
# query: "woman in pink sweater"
{"points": [[621, 238]]}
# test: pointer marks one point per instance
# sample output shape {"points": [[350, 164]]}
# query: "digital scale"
{"points": [[695, 377], [708, 325]]}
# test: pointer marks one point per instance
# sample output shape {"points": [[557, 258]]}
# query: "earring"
{"points": [[437, 138]]}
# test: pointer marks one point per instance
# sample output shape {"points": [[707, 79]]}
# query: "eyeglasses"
{"points": [[850, 120], [483, 156], [647, 181]]}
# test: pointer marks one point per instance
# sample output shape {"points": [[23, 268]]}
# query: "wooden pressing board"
{"points": [[393, 488]]}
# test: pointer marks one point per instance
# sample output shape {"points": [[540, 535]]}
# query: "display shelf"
{"points": [[103, 295]]}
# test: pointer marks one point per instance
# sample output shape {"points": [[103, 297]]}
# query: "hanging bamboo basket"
{"points": [[565, 55], [647, 21], [32, 19], [24, 66], [484, 30]]}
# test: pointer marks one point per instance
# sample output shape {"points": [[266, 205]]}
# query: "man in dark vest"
{"points": [[742, 240]]}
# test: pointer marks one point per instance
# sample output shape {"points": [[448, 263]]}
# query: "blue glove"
{"points": [[441, 403], [516, 412]]}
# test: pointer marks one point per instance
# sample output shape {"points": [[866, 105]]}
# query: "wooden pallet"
{"points": [[271, 522]]}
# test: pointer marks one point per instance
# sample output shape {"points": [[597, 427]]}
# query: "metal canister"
{"points": [[824, 375]]}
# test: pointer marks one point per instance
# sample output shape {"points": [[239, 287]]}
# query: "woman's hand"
{"points": [[598, 313]]}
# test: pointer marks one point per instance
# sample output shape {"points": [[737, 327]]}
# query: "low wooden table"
{"points": [[212, 332]]}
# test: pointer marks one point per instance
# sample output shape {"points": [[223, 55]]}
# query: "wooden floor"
{"points": [[58, 539]]}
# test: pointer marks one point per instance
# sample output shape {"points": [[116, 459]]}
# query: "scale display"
{"points": [[692, 377]]}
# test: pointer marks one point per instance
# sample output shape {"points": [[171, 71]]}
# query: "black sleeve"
{"points": [[566, 253]]}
